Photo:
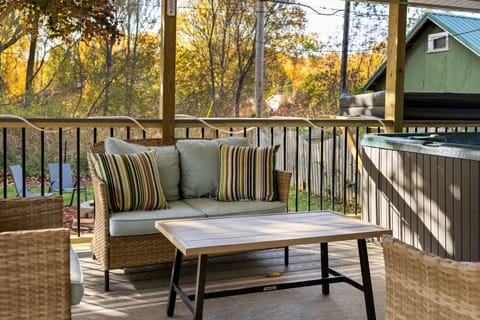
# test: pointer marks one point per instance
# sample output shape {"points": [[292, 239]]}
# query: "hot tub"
{"points": [[426, 188]]}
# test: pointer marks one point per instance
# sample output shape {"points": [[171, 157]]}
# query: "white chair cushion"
{"points": [[76, 279]]}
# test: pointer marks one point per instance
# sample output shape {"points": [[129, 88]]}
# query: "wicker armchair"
{"points": [[119, 252], [34, 259], [423, 286]]}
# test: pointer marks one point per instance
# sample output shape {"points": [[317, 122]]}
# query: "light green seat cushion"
{"points": [[214, 208], [143, 222], [167, 159], [76, 279], [200, 165]]}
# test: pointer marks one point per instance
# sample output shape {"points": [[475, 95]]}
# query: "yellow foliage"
{"points": [[13, 69]]}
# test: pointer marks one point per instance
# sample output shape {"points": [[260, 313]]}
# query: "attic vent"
{"points": [[438, 42]]}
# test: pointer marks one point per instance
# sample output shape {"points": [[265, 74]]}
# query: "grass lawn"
{"points": [[11, 193], [315, 203]]}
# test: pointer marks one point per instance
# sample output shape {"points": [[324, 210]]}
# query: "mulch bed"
{"points": [[69, 221]]}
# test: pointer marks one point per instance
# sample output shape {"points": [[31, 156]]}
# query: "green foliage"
{"points": [[216, 53], [64, 18], [215, 58]]}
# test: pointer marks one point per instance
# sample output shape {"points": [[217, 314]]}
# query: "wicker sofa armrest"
{"points": [[31, 213], [421, 285], [35, 274], [102, 213], [283, 185], [102, 216]]}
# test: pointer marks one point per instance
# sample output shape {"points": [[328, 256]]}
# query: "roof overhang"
{"points": [[457, 5]]}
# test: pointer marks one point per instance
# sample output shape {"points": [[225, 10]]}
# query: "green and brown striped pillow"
{"points": [[246, 173], [132, 180]]}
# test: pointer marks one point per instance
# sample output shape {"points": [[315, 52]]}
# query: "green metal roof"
{"points": [[465, 29]]}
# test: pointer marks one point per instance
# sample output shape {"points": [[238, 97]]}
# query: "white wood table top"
{"points": [[255, 232]]}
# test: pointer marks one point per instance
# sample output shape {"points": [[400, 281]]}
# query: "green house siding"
{"points": [[455, 70]]}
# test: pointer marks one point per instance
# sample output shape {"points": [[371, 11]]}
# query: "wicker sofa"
{"points": [[40, 275], [129, 239]]}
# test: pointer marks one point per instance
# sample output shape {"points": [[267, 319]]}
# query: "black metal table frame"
{"points": [[195, 301]]}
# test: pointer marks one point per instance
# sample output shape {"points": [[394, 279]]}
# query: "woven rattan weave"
{"points": [[423, 286], [34, 260]]}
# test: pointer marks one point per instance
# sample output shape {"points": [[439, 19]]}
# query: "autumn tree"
{"points": [[216, 51], [88, 75], [315, 79], [64, 20]]}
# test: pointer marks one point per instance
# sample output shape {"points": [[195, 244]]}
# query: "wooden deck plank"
{"points": [[141, 293]]}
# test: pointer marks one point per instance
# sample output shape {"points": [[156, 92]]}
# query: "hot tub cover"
{"points": [[418, 105]]}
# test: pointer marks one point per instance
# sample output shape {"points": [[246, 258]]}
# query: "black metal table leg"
{"points": [[106, 275], [286, 257], [177, 263], [367, 282], [200, 289], [324, 264]]}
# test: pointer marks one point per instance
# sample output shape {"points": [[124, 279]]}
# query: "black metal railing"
{"points": [[323, 154]]}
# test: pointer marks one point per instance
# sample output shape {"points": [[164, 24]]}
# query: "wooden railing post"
{"points": [[394, 90], [167, 72]]}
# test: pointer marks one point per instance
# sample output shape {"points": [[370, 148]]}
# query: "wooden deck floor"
{"points": [[141, 293]]}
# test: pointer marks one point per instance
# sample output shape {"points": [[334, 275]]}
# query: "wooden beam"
{"points": [[397, 25], [167, 72]]}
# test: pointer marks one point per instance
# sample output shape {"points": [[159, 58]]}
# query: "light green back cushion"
{"points": [[200, 165], [167, 159]]}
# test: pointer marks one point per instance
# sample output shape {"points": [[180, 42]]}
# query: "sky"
{"points": [[326, 20], [329, 25]]}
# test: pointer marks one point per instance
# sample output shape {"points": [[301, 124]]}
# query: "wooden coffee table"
{"points": [[203, 237]]}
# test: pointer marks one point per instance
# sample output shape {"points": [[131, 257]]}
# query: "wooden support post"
{"points": [[396, 48], [167, 72]]}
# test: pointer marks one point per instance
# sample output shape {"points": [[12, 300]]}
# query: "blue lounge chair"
{"points": [[68, 184], [17, 174]]}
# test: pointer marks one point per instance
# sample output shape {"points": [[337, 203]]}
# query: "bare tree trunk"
{"points": [[243, 70], [6, 11], [211, 60], [130, 3], [133, 11], [17, 34], [108, 75], [30, 70], [133, 60], [224, 55]]}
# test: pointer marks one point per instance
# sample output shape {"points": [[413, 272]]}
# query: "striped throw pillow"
{"points": [[246, 173], [132, 180]]}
